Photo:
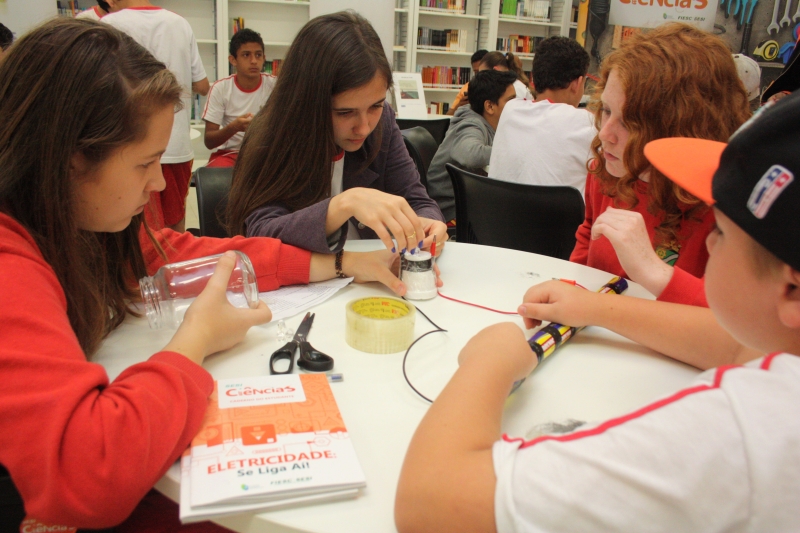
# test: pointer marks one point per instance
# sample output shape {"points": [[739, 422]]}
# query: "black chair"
{"points": [[213, 186], [532, 218], [11, 509], [421, 147], [437, 127]]}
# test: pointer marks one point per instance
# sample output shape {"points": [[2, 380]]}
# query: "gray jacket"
{"points": [[467, 144], [393, 171]]}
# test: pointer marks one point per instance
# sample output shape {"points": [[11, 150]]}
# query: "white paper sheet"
{"points": [[287, 302]]}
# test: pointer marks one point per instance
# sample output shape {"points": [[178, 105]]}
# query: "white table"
{"points": [[595, 376]]}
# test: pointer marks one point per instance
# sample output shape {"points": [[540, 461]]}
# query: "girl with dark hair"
{"points": [[508, 62], [86, 115], [324, 160], [674, 81]]}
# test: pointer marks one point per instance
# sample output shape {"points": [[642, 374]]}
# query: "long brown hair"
{"points": [[68, 87], [678, 82], [288, 151], [508, 60]]}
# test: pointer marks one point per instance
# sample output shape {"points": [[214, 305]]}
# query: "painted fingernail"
{"points": [[403, 251], [419, 245], [413, 251], [394, 249]]}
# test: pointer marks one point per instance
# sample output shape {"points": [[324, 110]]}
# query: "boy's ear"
{"points": [[576, 85], [789, 304], [232, 60]]}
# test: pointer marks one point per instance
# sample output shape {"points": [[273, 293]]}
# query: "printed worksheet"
{"points": [[287, 302]]}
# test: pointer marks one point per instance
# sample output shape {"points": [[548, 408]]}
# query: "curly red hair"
{"points": [[679, 82]]}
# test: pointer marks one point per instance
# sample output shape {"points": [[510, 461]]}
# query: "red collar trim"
{"points": [[339, 156], [236, 81], [145, 8], [765, 364], [96, 10]]}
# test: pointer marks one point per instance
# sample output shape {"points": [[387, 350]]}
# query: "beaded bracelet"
{"points": [[338, 264]]}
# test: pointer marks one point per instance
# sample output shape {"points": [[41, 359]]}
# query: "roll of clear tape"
{"points": [[380, 324]]}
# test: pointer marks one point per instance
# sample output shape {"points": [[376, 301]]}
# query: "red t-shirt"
{"points": [[83, 451], [689, 260]]}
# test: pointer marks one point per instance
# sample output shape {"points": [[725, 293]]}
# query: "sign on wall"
{"points": [[652, 13]]}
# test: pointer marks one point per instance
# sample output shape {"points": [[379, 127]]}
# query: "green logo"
{"points": [[668, 255]]}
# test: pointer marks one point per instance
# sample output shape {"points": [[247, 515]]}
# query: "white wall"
{"points": [[19, 16], [380, 13]]}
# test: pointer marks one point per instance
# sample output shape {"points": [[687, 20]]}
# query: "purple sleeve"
{"points": [[304, 228]]}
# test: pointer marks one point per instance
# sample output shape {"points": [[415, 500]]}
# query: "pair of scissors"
{"points": [[310, 359]]}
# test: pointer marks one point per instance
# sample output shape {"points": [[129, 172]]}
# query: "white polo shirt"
{"points": [[542, 143], [522, 90], [721, 455], [227, 101], [90, 14], [170, 39]]}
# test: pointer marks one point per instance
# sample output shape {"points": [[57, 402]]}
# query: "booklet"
{"points": [[268, 442]]}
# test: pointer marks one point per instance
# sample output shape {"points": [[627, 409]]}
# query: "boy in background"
{"points": [[170, 39], [468, 141], [461, 97], [721, 455], [548, 141], [233, 101]]}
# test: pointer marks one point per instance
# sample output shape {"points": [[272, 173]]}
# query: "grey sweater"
{"points": [[467, 144]]}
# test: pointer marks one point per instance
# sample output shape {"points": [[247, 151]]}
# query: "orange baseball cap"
{"points": [[691, 163]]}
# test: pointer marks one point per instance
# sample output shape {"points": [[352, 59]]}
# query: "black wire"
{"points": [[405, 357]]}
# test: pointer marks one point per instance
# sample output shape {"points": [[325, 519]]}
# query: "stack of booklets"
{"points": [[268, 442]]}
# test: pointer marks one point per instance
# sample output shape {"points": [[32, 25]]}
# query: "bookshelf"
{"points": [[405, 36], [278, 21], [484, 25]]}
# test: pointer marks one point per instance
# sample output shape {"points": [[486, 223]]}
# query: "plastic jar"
{"points": [[416, 271], [172, 289]]}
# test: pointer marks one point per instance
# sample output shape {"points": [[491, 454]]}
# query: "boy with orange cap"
{"points": [[721, 455]]}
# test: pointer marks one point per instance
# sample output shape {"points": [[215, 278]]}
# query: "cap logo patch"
{"points": [[768, 189]]}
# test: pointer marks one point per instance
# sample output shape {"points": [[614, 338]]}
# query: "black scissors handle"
{"points": [[313, 360], [285, 352]]}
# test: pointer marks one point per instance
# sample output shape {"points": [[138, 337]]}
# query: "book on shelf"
{"points": [[438, 108], [237, 23], [444, 77], [443, 40], [527, 9], [68, 8], [519, 44], [273, 67], [268, 442], [456, 6]]}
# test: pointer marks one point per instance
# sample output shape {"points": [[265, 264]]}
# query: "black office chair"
{"points": [[421, 147], [437, 127], [532, 218], [213, 186], [11, 509]]}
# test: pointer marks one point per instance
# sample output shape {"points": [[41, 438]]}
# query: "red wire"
{"points": [[497, 310], [476, 305]]}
